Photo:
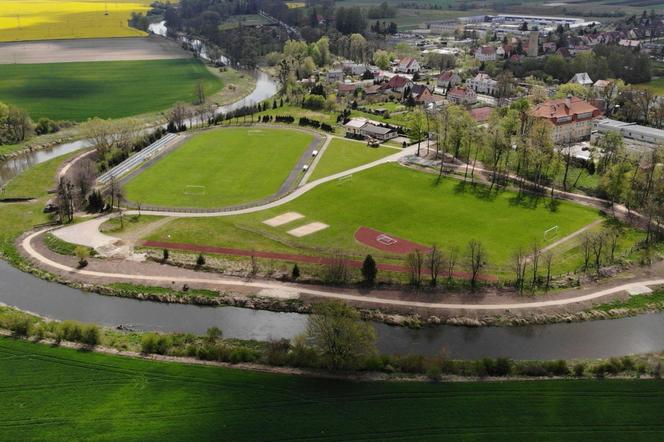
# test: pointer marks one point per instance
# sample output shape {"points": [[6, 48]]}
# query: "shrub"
{"points": [[200, 261], [90, 334], [501, 367], [69, 331], [276, 352], [579, 369], [627, 363], [18, 324], [242, 354], [295, 273], [301, 355], [165, 255], [154, 343], [434, 373], [82, 253], [369, 270], [314, 102]]}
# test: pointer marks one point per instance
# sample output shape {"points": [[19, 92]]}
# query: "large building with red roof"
{"points": [[572, 118]]}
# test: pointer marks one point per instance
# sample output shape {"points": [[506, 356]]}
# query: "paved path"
{"points": [[283, 290]]}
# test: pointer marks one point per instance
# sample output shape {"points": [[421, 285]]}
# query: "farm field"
{"points": [[22, 20], [224, 167], [110, 89], [342, 155], [407, 204], [61, 394]]}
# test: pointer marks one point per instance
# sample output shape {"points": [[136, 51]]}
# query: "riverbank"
{"points": [[295, 357]]}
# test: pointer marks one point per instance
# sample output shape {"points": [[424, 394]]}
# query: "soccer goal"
{"points": [[194, 190], [344, 179], [551, 233]]}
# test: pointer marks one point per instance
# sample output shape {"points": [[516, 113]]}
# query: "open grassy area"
{"points": [[342, 155], [404, 203], [656, 86], [233, 166], [110, 89], [61, 394], [22, 20]]}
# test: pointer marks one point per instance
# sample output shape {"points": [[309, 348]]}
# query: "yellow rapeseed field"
{"points": [[22, 20]]}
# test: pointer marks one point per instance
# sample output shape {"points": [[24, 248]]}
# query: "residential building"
{"points": [[572, 118], [421, 93], [482, 84], [533, 44], [335, 75], [581, 78], [462, 95], [408, 65], [481, 114], [485, 53], [363, 128], [448, 79], [397, 84]]}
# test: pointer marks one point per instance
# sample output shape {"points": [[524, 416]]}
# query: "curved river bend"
{"points": [[639, 334]]}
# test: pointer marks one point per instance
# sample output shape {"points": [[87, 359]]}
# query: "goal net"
{"points": [[194, 190], [551, 233]]}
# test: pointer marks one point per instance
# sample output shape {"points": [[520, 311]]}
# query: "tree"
{"points": [[200, 260], [434, 261], [520, 262], [82, 253], [476, 260], [417, 128], [200, 92], [295, 274], [415, 263], [213, 334], [337, 333], [369, 270], [381, 59]]}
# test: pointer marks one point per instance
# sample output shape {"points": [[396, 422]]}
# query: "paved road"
{"points": [[282, 290]]}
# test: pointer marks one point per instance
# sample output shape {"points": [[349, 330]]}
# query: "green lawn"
{"points": [[53, 393], [234, 166], [656, 85], [405, 203], [109, 89], [342, 155]]}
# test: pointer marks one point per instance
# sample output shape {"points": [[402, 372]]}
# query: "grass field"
{"points": [[342, 155], [22, 20], [53, 393], [404, 203], [112, 89], [233, 165], [656, 86]]}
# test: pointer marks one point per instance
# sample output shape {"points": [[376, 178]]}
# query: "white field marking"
{"points": [[386, 239], [639, 290], [307, 229], [213, 279], [282, 219]]}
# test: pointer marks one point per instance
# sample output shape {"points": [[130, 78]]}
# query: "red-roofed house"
{"points": [[448, 79], [421, 93], [481, 114], [397, 84], [572, 118], [408, 65], [462, 95]]}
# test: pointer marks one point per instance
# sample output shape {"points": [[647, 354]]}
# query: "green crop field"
{"points": [[109, 89], [405, 203], [230, 166], [342, 155], [52, 393]]}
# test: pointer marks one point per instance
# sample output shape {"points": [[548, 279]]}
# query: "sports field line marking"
{"points": [[307, 229], [386, 239], [282, 219]]}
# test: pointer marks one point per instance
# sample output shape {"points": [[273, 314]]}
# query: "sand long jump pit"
{"points": [[92, 49], [282, 219], [307, 229]]}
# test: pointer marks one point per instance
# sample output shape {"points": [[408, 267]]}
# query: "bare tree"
{"points": [[336, 270], [65, 199], [520, 263], [415, 262], [476, 260], [83, 178], [452, 257], [548, 262], [597, 243], [586, 247], [534, 258], [177, 115], [200, 92], [434, 263]]}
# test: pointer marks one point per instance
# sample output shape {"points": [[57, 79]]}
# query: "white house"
{"points": [[408, 65], [485, 53], [482, 84], [581, 78]]}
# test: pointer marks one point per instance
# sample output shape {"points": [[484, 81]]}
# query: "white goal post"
{"points": [[194, 190], [551, 233]]}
